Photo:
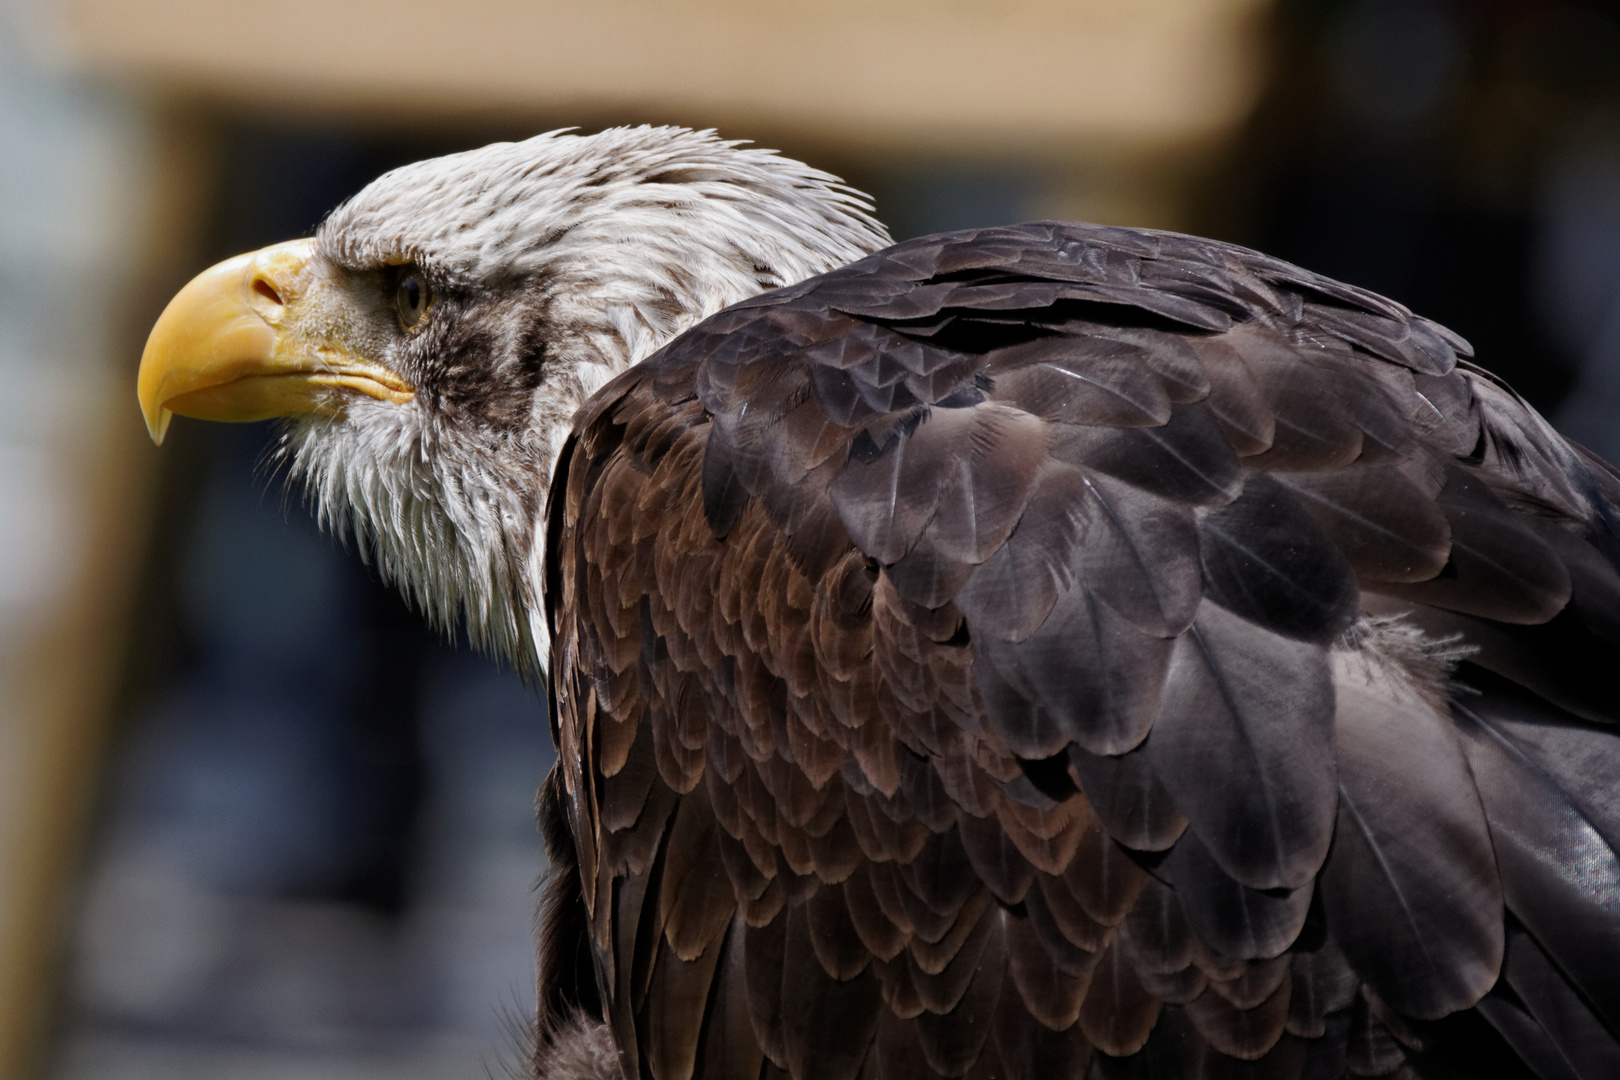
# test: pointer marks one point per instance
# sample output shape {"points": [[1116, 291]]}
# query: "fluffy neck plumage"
{"points": [[611, 245]]}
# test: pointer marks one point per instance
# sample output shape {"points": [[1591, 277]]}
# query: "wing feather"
{"points": [[1586, 1045], [1261, 705], [1411, 891], [1265, 559], [1540, 835]]}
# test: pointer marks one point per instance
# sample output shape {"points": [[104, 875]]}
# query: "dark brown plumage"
{"points": [[1061, 647]]}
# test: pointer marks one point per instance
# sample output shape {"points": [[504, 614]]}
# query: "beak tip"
{"points": [[157, 424]]}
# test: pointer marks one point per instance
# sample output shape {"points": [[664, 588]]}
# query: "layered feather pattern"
{"points": [[1057, 650]]}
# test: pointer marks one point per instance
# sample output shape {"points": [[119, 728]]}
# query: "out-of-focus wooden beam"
{"points": [[974, 76], [61, 678]]}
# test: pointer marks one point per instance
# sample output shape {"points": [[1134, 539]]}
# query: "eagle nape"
{"points": [[1046, 651]]}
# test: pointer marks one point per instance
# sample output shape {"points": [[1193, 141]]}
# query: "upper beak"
{"points": [[229, 347]]}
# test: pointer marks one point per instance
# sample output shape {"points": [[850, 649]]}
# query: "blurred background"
{"points": [[254, 820]]}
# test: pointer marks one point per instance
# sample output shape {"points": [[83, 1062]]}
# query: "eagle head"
{"points": [[430, 345]]}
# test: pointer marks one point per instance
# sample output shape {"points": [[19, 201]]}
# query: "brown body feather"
{"points": [[977, 662]]}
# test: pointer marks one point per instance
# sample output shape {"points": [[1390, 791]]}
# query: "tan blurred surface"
{"points": [[967, 76]]}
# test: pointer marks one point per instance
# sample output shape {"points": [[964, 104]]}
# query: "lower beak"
{"points": [[228, 348]]}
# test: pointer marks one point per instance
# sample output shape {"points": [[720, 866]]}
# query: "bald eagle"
{"points": [[1037, 652]]}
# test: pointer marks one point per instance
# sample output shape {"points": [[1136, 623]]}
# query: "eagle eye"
{"points": [[411, 297]]}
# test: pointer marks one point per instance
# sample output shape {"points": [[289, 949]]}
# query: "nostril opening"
{"points": [[266, 290]]}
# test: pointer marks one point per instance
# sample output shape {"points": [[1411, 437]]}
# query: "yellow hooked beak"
{"points": [[230, 346]]}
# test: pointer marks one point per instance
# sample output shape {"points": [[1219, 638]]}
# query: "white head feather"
{"points": [[628, 238]]}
